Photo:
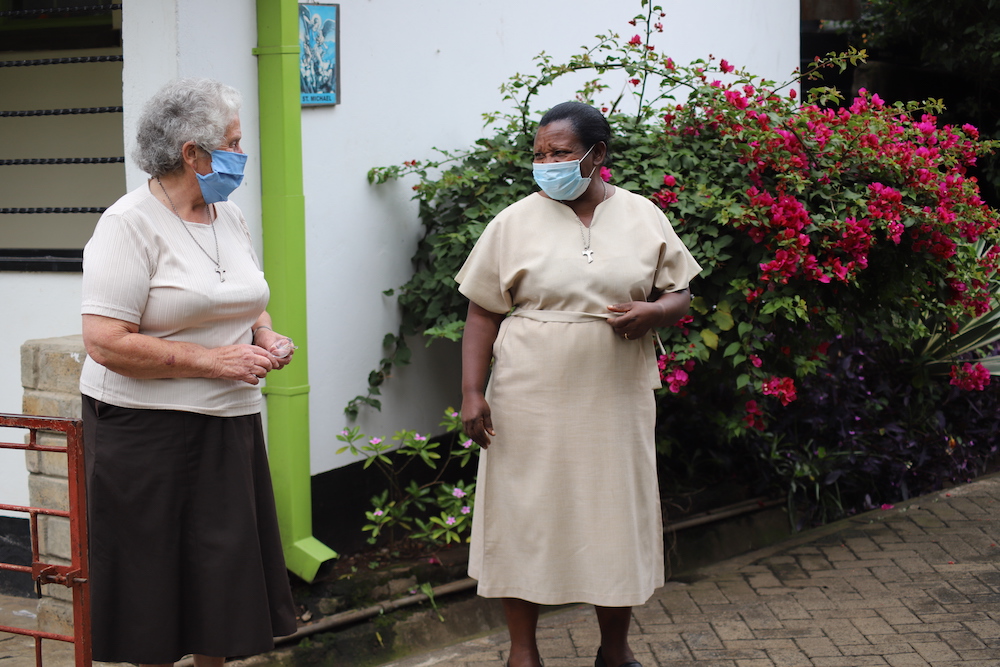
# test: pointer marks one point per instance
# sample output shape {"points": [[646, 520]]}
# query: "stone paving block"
{"points": [[962, 641], [912, 564], [702, 640], [786, 609], [897, 616], [873, 626], [789, 658], [763, 580], [985, 628], [890, 573], [843, 633], [759, 618], [947, 595], [987, 656], [838, 553], [935, 651], [665, 652], [708, 594], [725, 656], [852, 661], [732, 630], [884, 649], [906, 660], [791, 630], [815, 647], [755, 662]]}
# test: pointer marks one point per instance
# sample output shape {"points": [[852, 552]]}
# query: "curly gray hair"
{"points": [[197, 110]]}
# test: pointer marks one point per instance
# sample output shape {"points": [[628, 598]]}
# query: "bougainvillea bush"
{"points": [[839, 342]]}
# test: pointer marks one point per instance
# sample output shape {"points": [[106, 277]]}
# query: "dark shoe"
{"points": [[599, 662]]}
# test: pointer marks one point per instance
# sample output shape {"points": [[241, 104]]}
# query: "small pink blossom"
{"points": [[450, 521], [419, 438], [375, 441], [458, 493], [605, 174], [635, 41], [466, 509], [669, 181], [725, 66], [887, 506], [378, 512], [467, 443]]}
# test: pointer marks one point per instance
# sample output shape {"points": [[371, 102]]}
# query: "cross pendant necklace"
{"points": [[587, 252], [218, 265]]}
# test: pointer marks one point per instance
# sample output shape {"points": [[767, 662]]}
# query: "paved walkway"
{"points": [[918, 584]]}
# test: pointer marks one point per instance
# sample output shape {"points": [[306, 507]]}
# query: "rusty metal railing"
{"points": [[75, 575]]}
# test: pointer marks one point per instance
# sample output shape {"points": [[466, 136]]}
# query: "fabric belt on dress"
{"points": [[568, 316]]}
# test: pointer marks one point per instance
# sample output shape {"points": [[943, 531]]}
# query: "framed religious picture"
{"points": [[319, 54]]}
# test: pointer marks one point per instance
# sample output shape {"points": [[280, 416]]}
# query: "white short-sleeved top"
{"points": [[143, 267]]}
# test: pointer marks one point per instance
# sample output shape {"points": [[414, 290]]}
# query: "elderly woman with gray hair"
{"points": [[185, 552]]}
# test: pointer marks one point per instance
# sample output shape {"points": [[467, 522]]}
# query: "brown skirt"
{"points": [[185, 554]]}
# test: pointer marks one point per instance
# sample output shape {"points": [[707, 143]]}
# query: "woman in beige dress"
{"points": [[565, 287]]}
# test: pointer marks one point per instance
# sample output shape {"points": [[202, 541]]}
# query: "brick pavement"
{"points": [[911, 586]]}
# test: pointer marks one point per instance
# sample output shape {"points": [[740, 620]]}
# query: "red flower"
{"points": [[669, 181], [783, 388], [635, 41], [969, 377], [634, 82], [753, 418]]}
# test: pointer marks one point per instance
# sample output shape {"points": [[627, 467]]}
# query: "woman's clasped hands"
{"points": [[250, 363]]}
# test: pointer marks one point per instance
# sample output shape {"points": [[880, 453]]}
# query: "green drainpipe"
{"points": [[283, 212]]}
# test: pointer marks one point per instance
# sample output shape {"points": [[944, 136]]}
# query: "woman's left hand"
{"points": [[635, 318], [278, 346]]}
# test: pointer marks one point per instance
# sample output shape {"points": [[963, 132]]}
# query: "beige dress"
{"points": [[567, 502]]}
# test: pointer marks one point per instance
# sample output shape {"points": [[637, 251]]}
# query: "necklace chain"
{"points": [[587, 252], [218, 265]]}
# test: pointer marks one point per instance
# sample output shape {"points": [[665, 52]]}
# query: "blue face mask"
{"points": [[562, 180], [226, 176]]}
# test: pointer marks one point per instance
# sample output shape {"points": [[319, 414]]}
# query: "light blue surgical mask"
{"points": [[226, 176], [562, 180]]}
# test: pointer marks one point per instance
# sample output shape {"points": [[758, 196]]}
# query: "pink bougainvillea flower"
{"points": [[725, 66], [782, 388], [753, 418], [605, 173], [635, 41], [756, 361], [669, 181], [969, 377], [887, 506]]}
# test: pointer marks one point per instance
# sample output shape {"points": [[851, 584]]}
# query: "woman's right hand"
{"points": [[476, 419], [246, 363]]}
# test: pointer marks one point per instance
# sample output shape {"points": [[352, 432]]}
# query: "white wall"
{"points": [[35, 305], [414, 75]]}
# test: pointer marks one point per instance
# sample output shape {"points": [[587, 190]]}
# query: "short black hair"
{"points": [[589, 124]]}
